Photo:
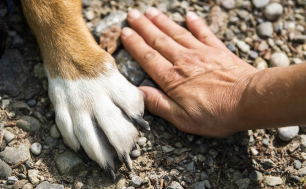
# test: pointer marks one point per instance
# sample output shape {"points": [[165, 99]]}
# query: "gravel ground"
{"points": [[264, 33]]}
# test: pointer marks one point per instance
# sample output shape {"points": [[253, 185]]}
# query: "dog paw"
{"points": [[98, 115]]}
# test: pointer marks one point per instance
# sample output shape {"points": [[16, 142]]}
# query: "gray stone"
{"points": [[47, 185], [50, 141], [136, 181], [68, 162], [33, 176], [175, 185], [202, 185], [231, 47], [213, 152], [17, 41], [204, 148], [129, 67], [253, 54], [32, 103], [265, 141], [302, 172], [11, 180], [237, 175], [295, 179], [204, 176], [135, 151], [243, 183], [15, 155], [273, 11], [255, 176], [228, 4], [142, 141], [268, 163], [54, 132], [28, 123], [22, 107], [8, 136], [190, 167], [297, 164], [265, 29], [273, 181], [288, 133], [167, 149], [260, 3], [243, 46], [229, 34], [5, 170], [115, 18], [36, 148], [279, 59]]}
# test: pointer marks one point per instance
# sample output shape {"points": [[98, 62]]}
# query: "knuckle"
{"points": [[160, 41], [203, 37], [149, 55], [180, 34]]}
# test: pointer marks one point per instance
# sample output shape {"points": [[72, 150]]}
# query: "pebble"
{"points": [[15, 155], [255, 176], [32, 103], [263, 46], [174, 172], [229, 34], [265, 29], [288, 133], [265, 142], [33, 176], [237, 175], [268, 163], [253, 54], [47, 185], [136, 181], [142, 141], [297, 164], [54, 132], [204, 176], [50, 141], [213, 152], [260, 3], [279, 59], [8, 136], [302, 172], [89, 14], [243, 183], [190, 167], [135, 151], [29, 186], [297, 60], [243, 46], [175, 185], [295, 179], [273, 11], [167, 149], [115, 18], [68, 162], [202, 185], [231, 47], [36, 148], [228, 4], [11, 180], [254, 151], [28, 123], [260, 63], [6, 170], [273, 181], [22, 107], [251, 140]]}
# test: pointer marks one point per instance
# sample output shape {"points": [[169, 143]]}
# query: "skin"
{"points": [[206, 89]]}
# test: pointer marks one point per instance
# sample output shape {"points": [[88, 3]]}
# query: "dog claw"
{"points": [[83, 154], [111, 172], [127, 161], [142, 123]]}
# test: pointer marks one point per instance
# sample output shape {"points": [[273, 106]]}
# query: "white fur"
{"points": [[84, 106]]}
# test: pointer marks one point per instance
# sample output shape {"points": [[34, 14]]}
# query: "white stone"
{"points": [[273, 181], [288, 133], [279, 59], [260, 3], [54, 132], [273, 11], [254, 152], [36, 148]]}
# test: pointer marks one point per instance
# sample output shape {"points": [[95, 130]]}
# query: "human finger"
{"points": [[172, 29], [202, 32], [158, 40], [149, 59]]}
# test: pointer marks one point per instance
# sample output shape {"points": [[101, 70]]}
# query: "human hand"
{"points": [[202, 81]]}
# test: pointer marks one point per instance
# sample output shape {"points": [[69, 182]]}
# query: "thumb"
{"points": [[160, 104]]}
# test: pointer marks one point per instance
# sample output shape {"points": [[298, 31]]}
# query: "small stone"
{"points": [[190, 167], [54, 132], [265, 29], [39, 71], [120, 181], [142, 141], [295, 179], [231, 47], [237, 175], [36, 148], [243, 183], [229, 34], [28, 123], [213, 152], [279, 59], [273, 181], [15, 155], [254, 151], [135, 151], [297, 164], [228, 4], [68, 162], [174, 172], [8, 136], [288, 133], [33, 176], [243, 46], [22, 107], [47, 185], [29, 186], [19, 184], [204, 176], [251, 140], [116, 18], [11, 180], [302, 172], [167, 149], [297, 60], [201, 158], [175, 185], [32, 103], [260, 63], [89, 14], [273, 11], [263, 46], [50, 141], [255, 176], [202, 185], [265, 141], [268, 163], [260, 3], [136, 181], [6, 170], [253, 54]]}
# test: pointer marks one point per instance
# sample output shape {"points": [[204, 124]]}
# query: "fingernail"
{"points": [[126, 32], [143, 94], [134, 14], [151, 12], [192, 16]]}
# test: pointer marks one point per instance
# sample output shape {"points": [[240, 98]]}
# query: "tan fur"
{"points": [[67, 46]]}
